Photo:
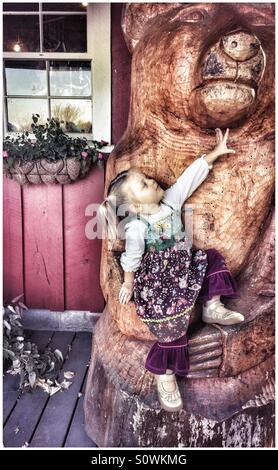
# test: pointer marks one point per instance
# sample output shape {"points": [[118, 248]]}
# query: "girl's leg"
{"points": [[218, 281], [164, 361], [172, 355]]}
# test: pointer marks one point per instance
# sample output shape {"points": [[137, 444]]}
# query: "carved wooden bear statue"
{"points": [[196, 67]]}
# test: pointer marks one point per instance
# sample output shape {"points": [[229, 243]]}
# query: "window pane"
{"points": [[7, 6], [50, 6], [25, 77], [70, 78], [20, 112], [21, 30], [77, 114], [64, 33]]}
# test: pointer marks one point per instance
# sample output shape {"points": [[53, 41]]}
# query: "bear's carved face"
{"points": [[204, 61]]}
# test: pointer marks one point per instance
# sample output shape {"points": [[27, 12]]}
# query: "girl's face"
{"points": [[144, 189]]}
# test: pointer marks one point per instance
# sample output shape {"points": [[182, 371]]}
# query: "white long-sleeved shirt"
{"points": [[175, 195]]}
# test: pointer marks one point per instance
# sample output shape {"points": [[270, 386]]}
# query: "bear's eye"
{"points": [[193, 16], [258, 20]]}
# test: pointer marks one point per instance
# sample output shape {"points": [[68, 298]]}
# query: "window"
{"points": [[45, 27], [51, 88], [57, 64]]}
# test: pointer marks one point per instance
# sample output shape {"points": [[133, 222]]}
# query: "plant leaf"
{"points": [[58, 354], [32, 378]]}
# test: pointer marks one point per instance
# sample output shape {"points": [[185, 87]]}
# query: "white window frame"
{"points": [[98, 52]]}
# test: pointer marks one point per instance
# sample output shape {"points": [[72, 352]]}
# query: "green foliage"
{"points": [[21, 356], [51, 143]]}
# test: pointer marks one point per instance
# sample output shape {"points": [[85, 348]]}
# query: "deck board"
{"points": [[77, 436], [44, 421], [10, 382], [27, 413], [57, 416]]}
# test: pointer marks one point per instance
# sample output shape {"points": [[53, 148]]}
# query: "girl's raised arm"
{"points": [[187, 183], [197, 172]]}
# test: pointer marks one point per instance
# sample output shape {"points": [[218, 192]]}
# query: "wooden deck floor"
{"points": [[38, 420]]}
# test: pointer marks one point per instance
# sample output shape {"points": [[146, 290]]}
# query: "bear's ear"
{"points": [[135, 17]]}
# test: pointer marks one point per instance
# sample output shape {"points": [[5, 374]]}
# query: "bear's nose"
{"points": [[240, 46]]}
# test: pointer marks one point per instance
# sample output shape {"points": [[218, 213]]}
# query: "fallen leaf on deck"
{"points": [[68, 374], [54, 390], [65, 384]]}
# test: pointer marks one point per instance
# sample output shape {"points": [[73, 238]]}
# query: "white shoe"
{"points": [[170, 401], [216, 312]]}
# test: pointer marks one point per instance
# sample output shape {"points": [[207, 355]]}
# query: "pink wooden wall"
{"points": [[46, 253]]}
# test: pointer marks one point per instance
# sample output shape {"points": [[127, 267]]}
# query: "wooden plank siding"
{"points": [[82, 255], [46, 253], [13, 278], [43, 246]]}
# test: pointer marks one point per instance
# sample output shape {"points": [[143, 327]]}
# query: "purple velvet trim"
{"points": [[218, 279], [172, 355]]}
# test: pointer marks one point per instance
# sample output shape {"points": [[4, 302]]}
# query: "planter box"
{"points": [[62, 171]]}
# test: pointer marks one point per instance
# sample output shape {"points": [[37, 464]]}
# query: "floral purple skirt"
{"points": [[166, 287]]}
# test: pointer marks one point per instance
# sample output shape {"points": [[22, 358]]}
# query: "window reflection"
{"points": [[76, 114], [20, 112], [70, 78], [51, 6], [26, 77], [64, 33], [7, 6], [22, 30]]}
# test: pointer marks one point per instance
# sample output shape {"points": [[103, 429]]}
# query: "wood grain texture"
{"points": [[37, 420], [196, 67], [81, 253], [222, 412], [11, 394], [43, 247], [47, 254], [13, 280], [56, 419]]}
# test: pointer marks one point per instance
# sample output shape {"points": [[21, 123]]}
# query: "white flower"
{"points": [[183, 283], [157, 309], [144, 293]]}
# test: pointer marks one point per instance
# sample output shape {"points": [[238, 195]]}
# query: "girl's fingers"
{"points": [[217, 136], [226, 134], [121, 296], [124, 297]]}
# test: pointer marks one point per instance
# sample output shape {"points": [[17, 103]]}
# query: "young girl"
{"points": [[165, 274]]}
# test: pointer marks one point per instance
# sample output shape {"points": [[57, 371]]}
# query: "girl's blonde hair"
{"points": [[108, 208]]}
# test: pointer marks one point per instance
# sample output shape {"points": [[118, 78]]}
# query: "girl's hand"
{"points": [[221, 147], [126, 292]]}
